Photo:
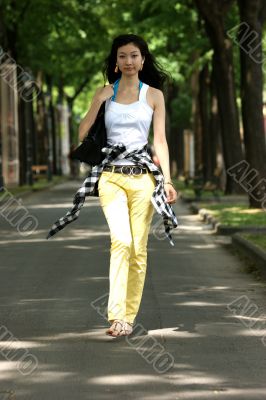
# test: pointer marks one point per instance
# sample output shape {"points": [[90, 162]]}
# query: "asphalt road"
{"points": [[200, 329]]}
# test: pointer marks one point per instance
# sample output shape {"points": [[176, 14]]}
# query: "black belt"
{"points": [[126, 169]]}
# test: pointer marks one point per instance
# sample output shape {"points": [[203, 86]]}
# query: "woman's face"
{"points": [[129, 59]]}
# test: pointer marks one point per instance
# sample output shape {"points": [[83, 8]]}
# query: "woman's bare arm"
{"points": [[161, 146], [159, 140]]}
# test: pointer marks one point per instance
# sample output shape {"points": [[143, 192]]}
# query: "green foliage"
{"points": [[236, 214], [69, 39]]}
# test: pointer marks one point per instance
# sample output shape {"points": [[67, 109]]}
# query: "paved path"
{"points": [[54, 293]]}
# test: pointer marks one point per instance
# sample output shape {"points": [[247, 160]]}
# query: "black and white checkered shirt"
{"points": [[139, 156]]}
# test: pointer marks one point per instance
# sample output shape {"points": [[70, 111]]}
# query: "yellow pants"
{"points": [[126, 203]]}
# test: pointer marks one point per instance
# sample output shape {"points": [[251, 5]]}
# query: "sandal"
{"points": [[127, 329], [116, 325], [122, 327]]}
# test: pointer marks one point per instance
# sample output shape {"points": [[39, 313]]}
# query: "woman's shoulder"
{"points": [[155, 92], [154, 95]]}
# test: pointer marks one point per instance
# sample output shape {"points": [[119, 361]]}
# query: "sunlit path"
{"points": [[50, 292]]}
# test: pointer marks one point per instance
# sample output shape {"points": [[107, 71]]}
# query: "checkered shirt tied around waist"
{"points": [[141, 157]]}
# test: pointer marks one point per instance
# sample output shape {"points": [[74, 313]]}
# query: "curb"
{"points": [[253, 252], [224, 229], [250, 250], [205, 216]]}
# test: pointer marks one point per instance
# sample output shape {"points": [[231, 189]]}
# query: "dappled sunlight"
{"points": [[193, 315], [55, 299], [122, 379], [191, 377], [204, 246], [208, 384], [79, 247], [243, 210], [70, 271], [77, 234], [218, 288], [200, 289], [252, 332], [200, 304], [67, 205], [173, 332], [18, 344], [6, 366], [262, 318], [195, 377], [234, 215], [92, 278], [51, 376], [191, 228], [95, 334], [89, 232], [252, 211], [183, 365], [227, 393], [188, 217]]}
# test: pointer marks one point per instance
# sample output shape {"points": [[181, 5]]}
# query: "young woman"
{"points": [[130, 185]]}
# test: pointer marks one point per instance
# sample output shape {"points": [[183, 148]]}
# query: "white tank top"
{"points": [[128, 123]]}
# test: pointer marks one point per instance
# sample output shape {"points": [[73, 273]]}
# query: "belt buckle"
{"points": [[132, 170], [137, 167]]}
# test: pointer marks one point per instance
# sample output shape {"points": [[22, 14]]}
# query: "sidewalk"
{"points": [[52, 296]]}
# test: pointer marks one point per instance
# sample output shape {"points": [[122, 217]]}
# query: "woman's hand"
{"points": [[104, 93], [170, 193]]}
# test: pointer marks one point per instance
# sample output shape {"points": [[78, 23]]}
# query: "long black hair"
{"points": [[152, 72]]}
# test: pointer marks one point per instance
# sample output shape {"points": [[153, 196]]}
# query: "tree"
{"points": [[252, 17], [213, 14]]}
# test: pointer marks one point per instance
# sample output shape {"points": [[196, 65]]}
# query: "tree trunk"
{"points": [[3, 38], [173, 133], [213, 14], [204, 115], [2, 43], [51, 117], [215, 124], [41, 128], [250, 34], [197, 126]]}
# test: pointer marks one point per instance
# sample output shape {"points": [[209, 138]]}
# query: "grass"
{"points": [[40, 184], [188, 191], [258, 240], [236, 214]]}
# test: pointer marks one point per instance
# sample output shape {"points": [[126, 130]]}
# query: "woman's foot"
{"points": [[115, 328], [127, 329], [110, 329], [119, 328]]}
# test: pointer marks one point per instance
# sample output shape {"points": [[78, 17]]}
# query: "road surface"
{"points": [[200, 329]]}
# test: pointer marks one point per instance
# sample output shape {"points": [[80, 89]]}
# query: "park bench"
{"points": [[39, 171]]}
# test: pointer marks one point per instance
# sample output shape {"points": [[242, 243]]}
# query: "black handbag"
{"points": [[89, 151]]}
